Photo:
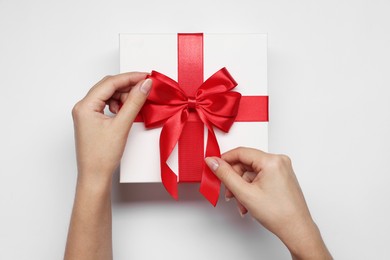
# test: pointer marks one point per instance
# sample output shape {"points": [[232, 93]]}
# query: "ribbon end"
{"points": [[169, 180], [175, 196], [211, 197], [173, 192]]}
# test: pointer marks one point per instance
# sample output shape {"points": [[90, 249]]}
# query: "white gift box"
{"points": [[245, 57]]}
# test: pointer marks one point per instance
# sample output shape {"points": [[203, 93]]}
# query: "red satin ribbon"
{"points": [[184, 107], [168, 105], [190, 77]]}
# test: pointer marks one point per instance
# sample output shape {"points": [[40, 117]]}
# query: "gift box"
{"points": [[209, 95]]}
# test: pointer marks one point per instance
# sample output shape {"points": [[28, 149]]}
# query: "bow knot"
{"points": [[192, 102]]}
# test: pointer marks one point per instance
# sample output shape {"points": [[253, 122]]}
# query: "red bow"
{"points": [[169, 106]]}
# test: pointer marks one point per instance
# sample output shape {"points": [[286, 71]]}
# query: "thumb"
{"points": [[134, 102], [228, 176]]}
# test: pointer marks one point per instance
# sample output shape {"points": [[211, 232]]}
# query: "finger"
{"points": [[228, 194], [106, 88], [113, 105], [249, 176], [120, 96], [133, 103], [241, 209], [229, 177], [248, 156], [123, 97], [239, 168]]}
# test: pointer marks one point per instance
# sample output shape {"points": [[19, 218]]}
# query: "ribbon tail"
{"points": [[169, 137], [210, 185]]}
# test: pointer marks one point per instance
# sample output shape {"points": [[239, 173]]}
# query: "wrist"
{"points": [[96, 182], [308, 244]]}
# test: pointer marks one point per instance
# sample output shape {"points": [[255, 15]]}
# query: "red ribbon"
{"points": [[169, 106], [184, 107]]}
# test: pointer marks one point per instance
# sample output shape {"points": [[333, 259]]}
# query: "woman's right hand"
{"points": [[265, 186]]}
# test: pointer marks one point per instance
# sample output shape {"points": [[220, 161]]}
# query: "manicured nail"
{"points": [[212, 164], [146, 86]]}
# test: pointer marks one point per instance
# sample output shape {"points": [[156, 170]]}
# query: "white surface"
{"points": [[329, 92], [243, 55]]}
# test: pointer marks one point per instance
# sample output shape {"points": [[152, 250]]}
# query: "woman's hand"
{"points": [[100, 142], [266, 186], [100, 139]]}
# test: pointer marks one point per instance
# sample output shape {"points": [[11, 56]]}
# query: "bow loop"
{"points": [[166, 91], [165, 100], [220, 82], [221, 109]]}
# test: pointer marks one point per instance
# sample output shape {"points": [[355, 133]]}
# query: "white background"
{"points": [[329, 90]]}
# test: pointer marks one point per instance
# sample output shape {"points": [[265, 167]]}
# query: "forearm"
{"points": [[100, 142], [90, 230]]}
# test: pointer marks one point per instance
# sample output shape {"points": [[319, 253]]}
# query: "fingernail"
{"points": [[227, 199], [239, 211], [146, 86], [212, 164]]}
